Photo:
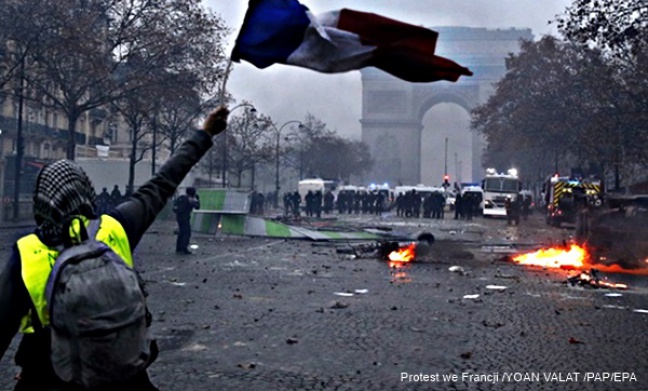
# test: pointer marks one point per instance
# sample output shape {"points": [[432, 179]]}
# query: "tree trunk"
{"points": [[253, 177], [131, 163], [239, 174], [72, 118], [20, 148], [153, 150]]}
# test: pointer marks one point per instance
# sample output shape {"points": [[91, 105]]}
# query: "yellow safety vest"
{"points": [[37, 261]]}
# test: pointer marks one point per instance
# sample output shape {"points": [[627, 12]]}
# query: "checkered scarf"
{"points": [[62, 190]]}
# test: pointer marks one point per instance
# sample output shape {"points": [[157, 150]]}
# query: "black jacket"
{"points": [[184, 204]]}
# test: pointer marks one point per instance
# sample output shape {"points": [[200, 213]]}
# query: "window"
{"points": [[113, 130], [46, 151]]}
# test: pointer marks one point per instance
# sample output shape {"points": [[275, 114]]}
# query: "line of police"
{"points": [[409, 204]]}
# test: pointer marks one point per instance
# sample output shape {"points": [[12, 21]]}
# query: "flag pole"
{"points": [[221, 97]]}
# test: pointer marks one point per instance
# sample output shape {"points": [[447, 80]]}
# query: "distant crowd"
{"points": [[411, 204], [106, 201]]}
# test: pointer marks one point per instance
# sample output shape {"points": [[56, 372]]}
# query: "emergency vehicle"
{"points": [[564, 196], [315, 185], [478, 194], [386, 191], [498, 187]]}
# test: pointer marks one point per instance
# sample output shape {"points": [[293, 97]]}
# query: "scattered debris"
{"points": [[344, 294], [195, 348], [615, 307], [471, 296], [499, 249], [466, 355], [495, 325], [457, 269], [496, 287], [573, 340], [250, 365], [591, 279], [338, 305], [613, 294], [394, 250], [362, 291], [641, 311], [291, 341], [508, 277]]}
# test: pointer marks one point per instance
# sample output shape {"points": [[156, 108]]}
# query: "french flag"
{"points": [[285, 32]]}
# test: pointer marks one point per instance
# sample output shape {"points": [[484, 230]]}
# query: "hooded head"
{"points": [[62, 190], [191, 191]]}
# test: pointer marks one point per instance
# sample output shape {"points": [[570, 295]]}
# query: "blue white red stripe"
{"points": [[285, 32]]}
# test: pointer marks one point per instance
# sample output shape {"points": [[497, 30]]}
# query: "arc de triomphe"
{"points": [[393, 110]]}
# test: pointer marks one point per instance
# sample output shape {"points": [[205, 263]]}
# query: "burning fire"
{"points": [[574, 257], [555, 257], [591, 278], [403, 254]]}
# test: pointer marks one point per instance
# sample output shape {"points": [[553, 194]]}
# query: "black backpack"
{"points": [[98, 315]]}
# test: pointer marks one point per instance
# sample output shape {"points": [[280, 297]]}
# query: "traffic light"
{"points": [[446, 180]]}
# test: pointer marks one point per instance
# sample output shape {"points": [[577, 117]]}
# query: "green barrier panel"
{"points": [[206, 223], [212, 199], [277, 230], [332, 234], [233, 224]]}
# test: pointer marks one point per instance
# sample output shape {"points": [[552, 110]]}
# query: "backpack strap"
{"points": [[69, 224], [93, 227]]}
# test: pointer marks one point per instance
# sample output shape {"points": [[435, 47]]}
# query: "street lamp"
{"points": [[277, 149], [224, 167]]}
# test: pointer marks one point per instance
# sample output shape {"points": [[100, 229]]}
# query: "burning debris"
{"points": [[554, 257], [403, 254], [391, 250], [591, 279], [573, 257]]}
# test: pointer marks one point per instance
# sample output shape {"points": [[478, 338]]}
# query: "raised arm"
{"points": [[138, 213]]}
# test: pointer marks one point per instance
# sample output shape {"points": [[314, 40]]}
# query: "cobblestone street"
{"points": [[265, 314]]}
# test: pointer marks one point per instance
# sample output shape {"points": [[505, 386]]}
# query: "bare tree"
{"points": [[317, 151], [108, 49], [249, 143], [19, 36], [560, 106]]}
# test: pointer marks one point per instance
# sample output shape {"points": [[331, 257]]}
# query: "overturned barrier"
{"points": [[227, 212]]}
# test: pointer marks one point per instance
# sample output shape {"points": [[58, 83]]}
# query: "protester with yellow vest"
{"points": [[63, 190]]}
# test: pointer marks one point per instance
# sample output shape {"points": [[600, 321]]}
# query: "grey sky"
{"points": [[287, 93]]}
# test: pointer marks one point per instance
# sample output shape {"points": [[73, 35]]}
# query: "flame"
{"points": [[403, 254], [399, 272], [612, 285], [574, 257], [591, 278], [614, 268], [555, 257]]}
